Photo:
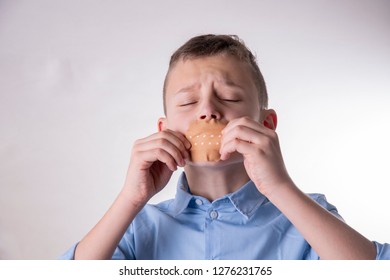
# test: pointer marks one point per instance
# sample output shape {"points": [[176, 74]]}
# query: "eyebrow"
{"points": [[187, 88], [230, 83], [225, 82]]}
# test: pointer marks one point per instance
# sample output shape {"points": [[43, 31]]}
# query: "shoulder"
{"points": [[154, 210], [150, 216]]}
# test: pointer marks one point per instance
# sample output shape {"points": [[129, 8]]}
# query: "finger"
{"points": [[247, 122], [178, 140], [254, 138], [161, 141], [237, 145], [166, 145], [243, 133], [164, 157], [184, 143], [175, 138], [182, 138], [149, 157]]}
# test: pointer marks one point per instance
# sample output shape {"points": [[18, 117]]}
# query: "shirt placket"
{"points": [[212, 216]]}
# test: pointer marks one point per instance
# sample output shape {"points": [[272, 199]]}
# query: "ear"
{"points": [[161, 124], [270, 119]]}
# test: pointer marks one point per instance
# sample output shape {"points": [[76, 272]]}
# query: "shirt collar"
{"points": [[183, 195], [246, 199]]}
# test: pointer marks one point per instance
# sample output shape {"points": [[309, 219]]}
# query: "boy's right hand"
{"points": [[153, 161]]}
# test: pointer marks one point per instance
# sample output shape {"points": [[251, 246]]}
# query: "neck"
{"points": [[215, 182]]}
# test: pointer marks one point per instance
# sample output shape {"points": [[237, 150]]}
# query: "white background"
{"points": [[81, 80]]}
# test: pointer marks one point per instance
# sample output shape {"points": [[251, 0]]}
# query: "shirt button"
{"points": [[198, 201], [213, 214]]}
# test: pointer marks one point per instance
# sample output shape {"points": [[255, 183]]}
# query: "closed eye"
{"points": [[231, 100], [187, 104]]}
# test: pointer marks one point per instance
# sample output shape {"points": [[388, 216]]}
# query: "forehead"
{"points": [[221, 68]]}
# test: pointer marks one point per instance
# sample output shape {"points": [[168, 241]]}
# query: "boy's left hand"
{"points": [[261, 152]]}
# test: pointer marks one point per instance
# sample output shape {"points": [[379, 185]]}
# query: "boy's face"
{"points": [[218, 87]]}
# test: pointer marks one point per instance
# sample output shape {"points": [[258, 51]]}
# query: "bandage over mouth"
{"points": [[205, 138]]}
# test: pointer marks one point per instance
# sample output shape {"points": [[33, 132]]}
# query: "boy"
{"points": [[244, 206]]}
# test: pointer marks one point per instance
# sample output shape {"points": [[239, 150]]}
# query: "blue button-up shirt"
{"points": [[240, 225]]}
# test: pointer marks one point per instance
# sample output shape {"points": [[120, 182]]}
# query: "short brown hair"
{"points": [[209, 45]]}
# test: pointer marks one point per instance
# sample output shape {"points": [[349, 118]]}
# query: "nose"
{"points": [[208, 117], [209, 111]]}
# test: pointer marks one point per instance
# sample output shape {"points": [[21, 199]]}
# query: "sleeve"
{"points": [[309, 253], [120, 252], [124, 250], [69, 255], [382, 251]]}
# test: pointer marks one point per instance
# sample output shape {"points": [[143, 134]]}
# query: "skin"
{"points": [[214, 87], [219, 87]]}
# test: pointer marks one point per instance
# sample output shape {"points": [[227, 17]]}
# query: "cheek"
{"points": [[178, 123], [244, 110], [253, 110]]}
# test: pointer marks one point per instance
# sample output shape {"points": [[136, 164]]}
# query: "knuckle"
{"points": [[265, 142], [177, 153], [163, 133], [240, 128], [246, 119], [137, 143], [274, 136], [161, 142], [159, 153], [135, 150]]}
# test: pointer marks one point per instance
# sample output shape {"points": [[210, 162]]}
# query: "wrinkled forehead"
{"points": [[223, 69]]}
